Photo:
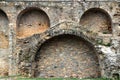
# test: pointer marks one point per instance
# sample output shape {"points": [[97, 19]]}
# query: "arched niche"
{"points": [[66, 56], [32, 21], [4, 43], [96, 20]]}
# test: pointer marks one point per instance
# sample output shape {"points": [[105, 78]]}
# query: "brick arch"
{"points": [[32, 20], [97, 20], [57, 31], [32, 45], [65, 41], [41, 39]]}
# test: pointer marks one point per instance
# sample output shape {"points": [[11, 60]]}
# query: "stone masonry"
{"points": [[60, 38]]}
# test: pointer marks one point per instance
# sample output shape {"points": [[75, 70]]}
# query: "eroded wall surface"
{"points": [[30, 31], [67, 56]]}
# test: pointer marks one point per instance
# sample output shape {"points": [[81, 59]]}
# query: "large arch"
{"points": [[66, 55], [4, 43], [31, 45], [97, 20], [31, 21]]}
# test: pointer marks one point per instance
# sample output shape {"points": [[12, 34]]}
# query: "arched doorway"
{"points": [[66, 56], [32, 21], [96, 20]]}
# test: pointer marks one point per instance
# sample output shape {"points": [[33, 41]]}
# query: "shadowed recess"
{"points": [[67, 56], [32, 21], [96, 20], [4, 43], [3, 30]]}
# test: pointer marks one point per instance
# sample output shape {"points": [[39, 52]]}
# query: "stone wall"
{"points": [[30, 30], [67, 56]]}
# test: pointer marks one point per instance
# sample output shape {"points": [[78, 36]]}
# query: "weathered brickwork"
{"points": [[67, 56], [60, 38]]}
